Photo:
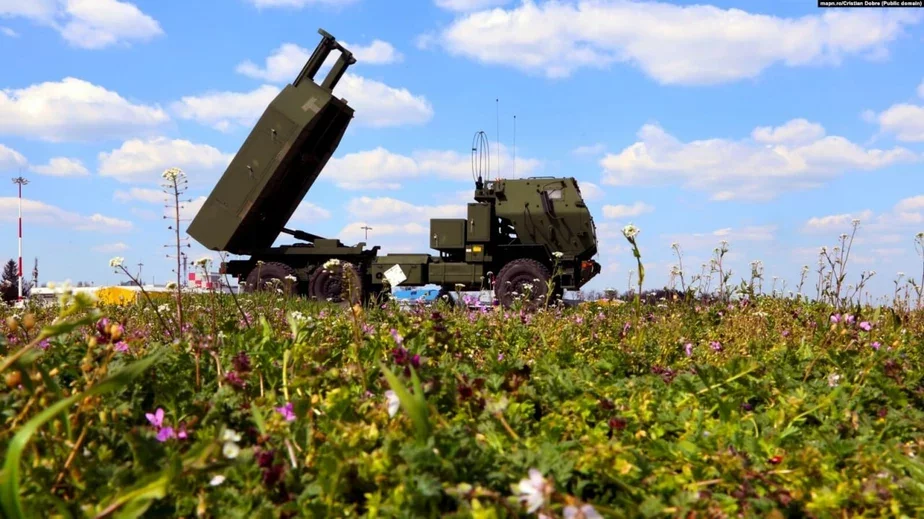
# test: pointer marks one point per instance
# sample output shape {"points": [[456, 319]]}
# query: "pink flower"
{"points": [[875, 345], [866, 326], [165, 434], [287, 411], [156, 419]]}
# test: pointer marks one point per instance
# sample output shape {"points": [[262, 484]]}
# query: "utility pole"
{"points": [[367, 229], [21, 182], [141, 279]]}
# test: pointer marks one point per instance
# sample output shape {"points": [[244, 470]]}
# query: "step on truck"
{"points": [[525, 238]]}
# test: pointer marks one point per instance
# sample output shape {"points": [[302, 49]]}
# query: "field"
{"points": [[267, 405]]}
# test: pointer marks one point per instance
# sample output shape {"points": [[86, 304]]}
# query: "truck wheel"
{"points": [[523, 278], [330, 285], [267, 273]]}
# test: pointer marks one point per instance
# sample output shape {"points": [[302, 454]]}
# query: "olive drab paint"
{"points": [[516, 233], [279, 162]]}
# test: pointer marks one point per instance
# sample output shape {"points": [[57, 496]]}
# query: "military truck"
{"points": [[519, 237]]}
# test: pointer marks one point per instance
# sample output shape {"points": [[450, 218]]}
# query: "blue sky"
{"points": [[771, 125]]}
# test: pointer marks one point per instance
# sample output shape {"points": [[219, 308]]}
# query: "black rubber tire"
{"points": [[514, 275], [325, 285], [269, 271]]}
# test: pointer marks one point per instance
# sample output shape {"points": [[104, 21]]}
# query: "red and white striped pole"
{"points": [[21, 181]]}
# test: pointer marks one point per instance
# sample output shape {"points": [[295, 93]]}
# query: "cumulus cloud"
{"points": [[468, 5], [6, 31], [298, 4], [307, 213], [674, 44], [88, 24], [753, 168], [62, 167], [353, 232], [145, 160], [151, 196], [625, 211], [382, 169], [589, 190], [590, 150], [906, 215], [11, 159], [224, 110], [385, 208], [74, 110], [904, 120], [43, 214], [377, 104]]}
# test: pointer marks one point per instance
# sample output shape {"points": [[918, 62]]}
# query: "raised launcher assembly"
{"points": [[528, 238]]}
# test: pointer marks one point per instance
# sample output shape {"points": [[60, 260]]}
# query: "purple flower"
{"points": [[287, 411], [44, 344], [156, 419], [121, 347], [876, 345], [866, 326], [716, 345], [785, 333], [500, 357], [848, 318], [688, 347], [397, 337], [165, 434], [836, 318]]}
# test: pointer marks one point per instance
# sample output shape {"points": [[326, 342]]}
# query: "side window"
{"points": [[554, 194]]}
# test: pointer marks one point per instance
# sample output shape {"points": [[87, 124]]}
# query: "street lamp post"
{"points": [[21, 182]]}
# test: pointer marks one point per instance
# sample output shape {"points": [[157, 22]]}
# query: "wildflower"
{"points": [[170, 285], [688, 348], [399, 340], [230, 449], [875, 345], [331, 264], [558, 254], [157, 418], [121, 347], [836, 318], [217, 480], [291, 278], [866, 326], [630, 231], [833, 379], [716, 345], [173, 174], [116, 262], [203, 262], [165, 434], [392, 400], [584, 512], [287, 411], [534, 490]]}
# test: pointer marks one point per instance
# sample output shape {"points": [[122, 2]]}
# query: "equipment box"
{"points": [[413, 266], [447, 233]]}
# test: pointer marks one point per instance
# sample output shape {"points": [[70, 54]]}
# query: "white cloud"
{"points": [[62, 167], [590, 191], [188, 210], [904, 120], [11, 159], [151, 196], [468, 5], [40, 213], [9, 32], [111, 247], [286, 61], [906, 215], [743, 169], [377, 104], [674, 44], [73, 109], [382, 169], [306, 212], [222, 110], [354, 232], [384, 208], [376, 53], [88, 24], [145, 160], [921, 90], [624, 211], [298, 4], [796, 131]]}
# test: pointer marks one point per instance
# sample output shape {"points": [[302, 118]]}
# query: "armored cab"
{"points": [[279, 161]]}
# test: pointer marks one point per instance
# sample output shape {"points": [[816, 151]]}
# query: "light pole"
{"points": [[367, 229], [21, 182]]}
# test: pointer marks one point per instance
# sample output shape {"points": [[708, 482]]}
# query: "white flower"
{"points": [[116, 261], [833, 379], [170, 285], [230, 450], [393, 402], [630, 231], [558, 254], [217, 480], [291, 278], [203, 261], [534, 490], [173, 174], [230, 435], [331, 264], [163, 308]]}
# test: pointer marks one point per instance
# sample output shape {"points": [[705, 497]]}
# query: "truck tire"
{"points": [[327, 285], [267, 272], [512, 279]]}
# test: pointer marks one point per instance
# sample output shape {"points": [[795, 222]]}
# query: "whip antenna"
{"points": [[481, 157], [497, 115]]}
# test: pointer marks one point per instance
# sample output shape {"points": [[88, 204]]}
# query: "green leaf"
{"points": [[9, 480], [414, 405]]}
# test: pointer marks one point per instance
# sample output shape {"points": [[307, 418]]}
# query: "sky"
{"points": [[770, 125]]}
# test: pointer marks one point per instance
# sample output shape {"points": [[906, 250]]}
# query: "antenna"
{"points": [[481, 158], [514, 146], [497, 137]]}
